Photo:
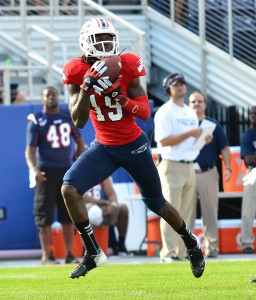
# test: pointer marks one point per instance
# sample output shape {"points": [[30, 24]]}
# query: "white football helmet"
{"points": [[88, 43]]}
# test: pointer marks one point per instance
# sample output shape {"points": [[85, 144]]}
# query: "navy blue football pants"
{"points": [[100, 161]]}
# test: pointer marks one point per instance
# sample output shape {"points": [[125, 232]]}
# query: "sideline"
{"points": [[125, 260]]}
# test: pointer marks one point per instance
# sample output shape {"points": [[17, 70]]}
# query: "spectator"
{"points": [[176, 128], [68, 4], [50, 133], [120, 142], [104, 210], [181, 12], [38, 4], [248, 154], [17, 97], [1, 97], [207, 177]]}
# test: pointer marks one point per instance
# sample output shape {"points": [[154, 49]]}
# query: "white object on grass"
{"points": [[95, 215]]}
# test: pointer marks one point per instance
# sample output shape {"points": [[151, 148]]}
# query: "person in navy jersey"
{"points": [[248, 154], [120, 142], [48, 156], [207, 177]]}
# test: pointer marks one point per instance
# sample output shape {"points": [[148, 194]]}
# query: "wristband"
{"points": [[85, 88], [114, 204], [121, 99]]}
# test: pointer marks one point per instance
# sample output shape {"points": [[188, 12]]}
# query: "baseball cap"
{"points": [[177, 77]]}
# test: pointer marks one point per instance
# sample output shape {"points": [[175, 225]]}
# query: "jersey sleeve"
{"points": [[31, 137], [163, 125], [246, 145], [73, 71], [132, 65], [220, 136]]}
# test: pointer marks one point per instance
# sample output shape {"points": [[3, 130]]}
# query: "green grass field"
{"points": [[221, 280]]}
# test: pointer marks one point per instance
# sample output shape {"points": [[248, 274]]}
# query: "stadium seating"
{"points": [[215, 14], [244, 39]]}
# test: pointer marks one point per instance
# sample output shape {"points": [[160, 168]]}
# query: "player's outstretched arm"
{"points": [[79, 105]]}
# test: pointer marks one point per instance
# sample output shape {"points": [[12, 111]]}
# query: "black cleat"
{"points": [[88, 263], [196, 258]]}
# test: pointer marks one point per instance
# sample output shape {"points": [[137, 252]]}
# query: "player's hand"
{"points": [[110, 211], [250, 178], [40, 176], [106, 88], [92, 75], [102, 85]]}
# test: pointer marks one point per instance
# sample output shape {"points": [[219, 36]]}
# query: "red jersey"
{"points": [[114, 126]]}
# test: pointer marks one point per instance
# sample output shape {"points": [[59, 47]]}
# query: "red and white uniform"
{"points": [[114, 123]]}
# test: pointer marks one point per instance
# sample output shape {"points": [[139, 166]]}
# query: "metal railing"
{"points": [[45, 62], [6, 73], [51, 67], [65, 7], [228, 24]]}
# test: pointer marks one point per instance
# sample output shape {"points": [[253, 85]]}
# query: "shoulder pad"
{"points": [[32, 117], [133, 63]]}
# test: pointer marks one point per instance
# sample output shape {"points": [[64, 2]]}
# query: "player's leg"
{"points": [[248, 216], [44, 206], [138, 161], [171, 215], [92, 167], [208, 188], [172, 187], [122, 225], [121, 222], [64, 218], [188, 200], [119, 219]]}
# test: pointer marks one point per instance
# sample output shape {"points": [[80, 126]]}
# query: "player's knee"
{"points": [[154, 204], [68, 192], [124, 209]]}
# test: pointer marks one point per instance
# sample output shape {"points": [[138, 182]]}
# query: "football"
{"points": [[113, 64]]}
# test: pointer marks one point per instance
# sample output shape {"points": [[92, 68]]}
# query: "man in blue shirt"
{"points": [[207, 177]]}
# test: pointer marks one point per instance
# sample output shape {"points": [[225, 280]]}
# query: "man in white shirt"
{"points": [[176, 129]]}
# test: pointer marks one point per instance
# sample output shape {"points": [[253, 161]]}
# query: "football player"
{"points": [[119, 141], [48, 152]]}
